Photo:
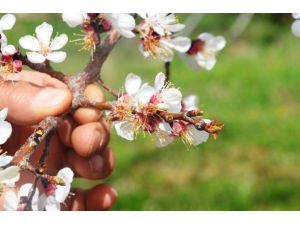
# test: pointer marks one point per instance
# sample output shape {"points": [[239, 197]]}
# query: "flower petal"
{"points": [[62, 192], [180, 44], [43, 33], [8, 50], [159, 81], [124, 23], [74, 19], [171, 95], [66, 174], [3, 114], [57, 57], [11, 201], [7, 22], [52, 204], [30, 43], [296, 28], [216, 44], [296, 15], [197, 136], [5, 131], [124, 129], [207, 62], [35, 57], [205, 37], [191, 102], [59, 42], [132, 84], [10, 175], [4, 160], [145, 93]]}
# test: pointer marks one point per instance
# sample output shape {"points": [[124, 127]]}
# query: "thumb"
{"points": [[28, 103]]}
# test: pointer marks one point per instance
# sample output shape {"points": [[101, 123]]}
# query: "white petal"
{"points": [[159, 81], [52, 204], [145, 93], [197, 136], [144, 53], [171, 95], [57, 57], [5, 131], [7, 22], [10, 174], [62, 192], [3, 114], [180, 44], [163, 140], [207, 62], [25, 189], [296, 15], [3, 40], [8, 50], [132, 84], [43, 33], [66, 174], [216, 44], [124, 24], [205, 37], [164, 52], [41, 202], [4, 160], [74, 19], [35, 57], [59, 42], [296, 28], [30, 43], [11, 201], [191, 102], [124, 129]]}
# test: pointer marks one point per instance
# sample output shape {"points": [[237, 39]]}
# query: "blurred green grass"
{"points": [[254, 90]]}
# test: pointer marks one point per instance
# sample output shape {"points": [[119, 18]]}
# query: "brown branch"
{"points": [[46, 126], [43, 68], [107, 88], [93, 69]]}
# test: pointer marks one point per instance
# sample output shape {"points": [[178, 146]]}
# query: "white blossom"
{"points": [[6, 23], [162, 23], [18, 202], [52, 202], [296, 24], [42, 47], [203, 50], [123, 23]]}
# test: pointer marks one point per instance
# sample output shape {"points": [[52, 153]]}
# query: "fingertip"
{"points": [[89, 138], [101, 197]]}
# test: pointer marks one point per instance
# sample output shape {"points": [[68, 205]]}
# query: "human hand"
{"points": [[80, 143]]}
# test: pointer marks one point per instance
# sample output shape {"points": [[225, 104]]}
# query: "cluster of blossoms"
{"points": [[160, 109]]}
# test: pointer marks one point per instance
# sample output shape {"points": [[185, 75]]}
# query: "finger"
{"points": [[89, 138], [34, 77], [87, 115], [76, 202], [29, 104], [97, 166], [101, 197], [65, 131]]}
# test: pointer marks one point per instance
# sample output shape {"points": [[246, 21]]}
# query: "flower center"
{"points": [[150, 42], [197, 46]]}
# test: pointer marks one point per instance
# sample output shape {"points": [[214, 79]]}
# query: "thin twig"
{"points": [[107, 88], [167, 71], [28, 206]]}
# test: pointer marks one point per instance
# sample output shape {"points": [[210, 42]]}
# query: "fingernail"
{"points": [[107, 201], [96, 164], [49, 98]]}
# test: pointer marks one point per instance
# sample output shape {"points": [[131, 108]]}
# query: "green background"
{"points": [[253, 89]]}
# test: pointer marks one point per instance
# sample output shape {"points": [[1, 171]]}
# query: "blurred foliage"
{"points": [[254, 90]]}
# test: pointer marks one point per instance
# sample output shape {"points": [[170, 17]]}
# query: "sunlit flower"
{"points": [[56, 192], [42, 47], [162, 23], [5, 127], [204, 49], [144, 100], [18, 202], [161, 47]]}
